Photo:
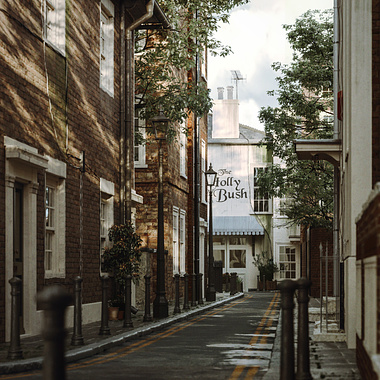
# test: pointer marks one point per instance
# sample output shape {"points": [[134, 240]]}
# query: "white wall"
{"points": [[355, 81]]}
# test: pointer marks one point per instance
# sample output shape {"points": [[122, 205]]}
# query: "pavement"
{"points": [[328, 360]]}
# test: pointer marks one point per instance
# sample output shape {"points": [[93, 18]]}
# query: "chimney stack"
{"points": [[220, 93], [230, 92]]}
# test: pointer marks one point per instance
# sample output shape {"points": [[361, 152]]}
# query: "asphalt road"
{"points": [[233, 341]]}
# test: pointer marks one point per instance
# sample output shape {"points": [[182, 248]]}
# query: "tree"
{"points": [[167, 59], [304, 111]]}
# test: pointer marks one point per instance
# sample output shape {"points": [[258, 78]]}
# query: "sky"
{"points": [[257, 39]]}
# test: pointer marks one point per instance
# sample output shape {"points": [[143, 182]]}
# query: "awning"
{"points": [[236, 225]]}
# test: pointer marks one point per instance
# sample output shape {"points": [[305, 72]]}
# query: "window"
{"points": [[182, 152], [50, 225], [287, 262], [203, 171], [260, 200], [182, 240], [55, 219], [179, 240], [139, 145], [175, 241], [107, 13], [54, 23], [107, 192]]}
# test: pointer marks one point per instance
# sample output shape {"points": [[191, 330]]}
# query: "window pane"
{"points": [[219, 255], [237, 258]]}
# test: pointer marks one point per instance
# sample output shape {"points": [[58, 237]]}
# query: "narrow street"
{"points": [[233, 341]]}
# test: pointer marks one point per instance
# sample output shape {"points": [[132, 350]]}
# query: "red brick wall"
{"points": [[80, 108], [364, 361], [317, 236]]}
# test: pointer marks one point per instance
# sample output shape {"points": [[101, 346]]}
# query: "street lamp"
{"points": [[210, 292], [160, 304]]}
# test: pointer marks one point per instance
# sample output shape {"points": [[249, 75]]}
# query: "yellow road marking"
{"points": [[265, 322]]}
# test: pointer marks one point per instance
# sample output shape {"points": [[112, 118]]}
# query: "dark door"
{"points": [[18, 234]]}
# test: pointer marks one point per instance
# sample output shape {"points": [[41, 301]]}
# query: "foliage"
{"points": [[266, 266], [304, 111], [167, 59], [124, 257]]}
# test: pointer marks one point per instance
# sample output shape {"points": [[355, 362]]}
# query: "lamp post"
{"points": [[210, 292], [160, 304]]}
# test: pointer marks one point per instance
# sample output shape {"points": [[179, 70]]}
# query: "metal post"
{"points": [[264, 283], [287, 288], [320, 286], [177, 309], [211, 293], [258, 281], [160, 304], [233, 284], [147, 316], [15, 351], [194, 290], [303, 358], [54, 301], [128, 300], [200, 295], [104, 328], [77, 338], [327, 286], [186, 291]]}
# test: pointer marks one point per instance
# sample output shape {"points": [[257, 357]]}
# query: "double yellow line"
{"points": [[150, 340], [265, 322]]}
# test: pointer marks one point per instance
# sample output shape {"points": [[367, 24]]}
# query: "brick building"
{"points": [[66, 122]]}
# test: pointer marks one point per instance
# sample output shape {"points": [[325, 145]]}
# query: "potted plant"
{"points": [[122, 258], [267, 268]]}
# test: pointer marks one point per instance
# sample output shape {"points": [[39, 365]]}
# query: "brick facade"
{"points": [[311, 238], [82, 118]]}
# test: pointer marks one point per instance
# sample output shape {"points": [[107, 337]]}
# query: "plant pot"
{"points": [[120, 315], [113, 313]]}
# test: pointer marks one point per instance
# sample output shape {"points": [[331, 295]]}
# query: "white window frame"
{"points": [[203, 171], [182, 241], [55, 23], [139, 149], [106, 214], [284, 264], [183, 151], [259, 200], [106, 37], [176, 240], [55, 180]]}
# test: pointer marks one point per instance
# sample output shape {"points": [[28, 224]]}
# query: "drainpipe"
{"points": [[128, 109], [336, 259]]}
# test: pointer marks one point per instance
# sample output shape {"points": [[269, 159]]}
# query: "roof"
{"points": [[250, 133], [237, 225]]}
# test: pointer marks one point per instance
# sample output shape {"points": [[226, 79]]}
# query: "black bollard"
{"points": [[15, 351], [264, 283], [104, 328], [233, 284], [258, 282], [177, 309], [194, 290], [200, 298], [287, 288], [186, 291], [54, 301], [128, 302], [77, 338], [147, 315], [303, 358]]}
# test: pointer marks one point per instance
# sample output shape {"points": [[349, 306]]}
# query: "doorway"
{"points": [[18, 243]]}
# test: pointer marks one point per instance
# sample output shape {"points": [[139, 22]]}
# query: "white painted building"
{"points": [[243, 223]]}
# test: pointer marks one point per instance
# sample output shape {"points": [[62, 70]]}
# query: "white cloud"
{"points": [[257, 39]]}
